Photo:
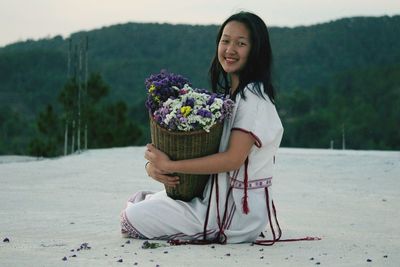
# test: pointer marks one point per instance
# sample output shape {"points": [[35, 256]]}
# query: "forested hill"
{"points": [[125, 54], [32, 73]]}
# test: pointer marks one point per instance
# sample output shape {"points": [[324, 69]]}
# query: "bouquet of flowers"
{"points": [[176, 106], [185, 123]]}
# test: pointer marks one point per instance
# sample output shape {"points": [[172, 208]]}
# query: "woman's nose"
{"points": [[230, 49]]}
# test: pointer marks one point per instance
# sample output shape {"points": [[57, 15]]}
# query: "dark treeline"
{"points": [[332, 78], [362, 105]]}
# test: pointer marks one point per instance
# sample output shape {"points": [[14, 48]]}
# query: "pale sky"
{"points": [[36, 19]]}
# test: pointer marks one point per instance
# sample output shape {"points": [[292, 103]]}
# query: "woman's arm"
{"points": [[239, 147]]}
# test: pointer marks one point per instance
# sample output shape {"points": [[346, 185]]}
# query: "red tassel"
{"points": [[245, 205], [246, 180]]}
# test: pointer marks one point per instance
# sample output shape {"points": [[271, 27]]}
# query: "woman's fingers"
{"points": [[146, 155], [149, 146], [158, 174], [159, 159], [151, 153], [168, 180]]}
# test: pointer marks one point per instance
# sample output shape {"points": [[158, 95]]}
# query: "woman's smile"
{"points": [[230, 60]]}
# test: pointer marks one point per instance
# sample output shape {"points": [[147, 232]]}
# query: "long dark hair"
{"points": [[259, 63]]}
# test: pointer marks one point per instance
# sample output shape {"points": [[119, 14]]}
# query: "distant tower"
{"points": [[78, 132], [77, 116], [343, 138], [67, 115], [85, 91]]}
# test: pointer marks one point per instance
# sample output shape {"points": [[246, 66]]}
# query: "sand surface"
{"points": [[49, 207]]}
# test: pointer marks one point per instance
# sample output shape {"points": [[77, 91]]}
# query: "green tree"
{"points": [[112, 128], [108, 124], [47, 143]]}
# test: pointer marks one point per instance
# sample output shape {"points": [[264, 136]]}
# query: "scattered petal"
{"points": [[147, 245]]}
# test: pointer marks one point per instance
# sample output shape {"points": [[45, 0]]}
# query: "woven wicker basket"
{"points": [[186, 145]]}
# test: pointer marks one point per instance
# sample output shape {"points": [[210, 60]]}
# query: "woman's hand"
{"points": [[161, 177], [159, 159], [157, 169]]}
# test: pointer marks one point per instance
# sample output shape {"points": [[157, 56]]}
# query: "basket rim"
{"points": [[152, 121]]}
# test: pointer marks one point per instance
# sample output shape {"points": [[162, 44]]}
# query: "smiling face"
{"points": [[234, 47]]}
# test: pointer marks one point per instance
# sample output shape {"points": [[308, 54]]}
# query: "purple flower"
{"points": [[212, 98], [227, 109], [204, 113], [189, 102], [160, 88]]}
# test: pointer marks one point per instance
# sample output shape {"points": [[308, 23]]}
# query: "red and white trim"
{"points": [[129, 229], [255, 184]]}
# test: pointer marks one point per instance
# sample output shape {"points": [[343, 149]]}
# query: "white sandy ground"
{"points": [[349, 198]]}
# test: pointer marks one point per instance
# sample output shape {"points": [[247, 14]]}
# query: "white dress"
{"points": [[229, 219]]}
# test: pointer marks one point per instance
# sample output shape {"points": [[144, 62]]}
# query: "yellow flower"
{"points": [[152, 88], [185, 110]]}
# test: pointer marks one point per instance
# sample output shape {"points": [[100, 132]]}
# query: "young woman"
{"points": [[235, 203]]}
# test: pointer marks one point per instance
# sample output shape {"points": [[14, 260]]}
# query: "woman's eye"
{"points": [[224, 41], [242, 44]]}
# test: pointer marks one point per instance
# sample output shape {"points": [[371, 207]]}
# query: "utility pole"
{"points": [[67, 113], [85, 94], [73, 111], [79, 96], [343, 138], [76, 112]]}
